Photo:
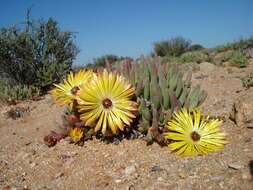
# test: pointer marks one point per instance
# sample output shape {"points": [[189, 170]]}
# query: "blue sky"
{"points": [[130, 27]]}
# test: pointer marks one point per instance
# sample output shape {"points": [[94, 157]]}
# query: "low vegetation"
{"points": [[147, 97], [34, 56], [238, 59], [237, 45], [172, 47], [116, 96], [194, 56]]}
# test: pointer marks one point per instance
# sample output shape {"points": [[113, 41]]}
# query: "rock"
{"points": [[182, 174], [250, 61], [58, 175], [131, 187], [201, 77], [248, 51], [129, 170], [235, 166], [17, 112], [226, 64], [190, 66], [156, 168], [207, 68], [242, 112], [246, 175], [221, 184], [23, 174], [118, 180], [217, 178], [219, 58], [33, 164]]}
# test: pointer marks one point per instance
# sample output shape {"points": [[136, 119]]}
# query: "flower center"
{"points": [[74, 90], [107, 103], [195, 136]]}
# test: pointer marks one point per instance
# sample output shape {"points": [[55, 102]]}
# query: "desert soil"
{"points": [[27, 163]]}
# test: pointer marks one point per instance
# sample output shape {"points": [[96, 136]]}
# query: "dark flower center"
{"points": [[195, 136], [107, 103], [74, 90]]}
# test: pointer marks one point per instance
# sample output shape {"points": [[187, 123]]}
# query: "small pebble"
{"points": [[156, 169], [246, 176], [221, 184], [129, 170], [33, 164], [59, 175], [118, 180], [182, 175], [131, 187], [28, 143], [235, 166]]}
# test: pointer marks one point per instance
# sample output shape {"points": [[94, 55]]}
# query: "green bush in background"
{"points": [[105, 61], [172, 47], [19, 92], [35, 55], [101, 61], [196, 47], [237, 45], [238, 59], [194, 56]]}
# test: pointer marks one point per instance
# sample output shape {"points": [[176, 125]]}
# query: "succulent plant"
{"points": [[54, 137], [96, 104], [161, 89], [73, 126], [19, 92]]}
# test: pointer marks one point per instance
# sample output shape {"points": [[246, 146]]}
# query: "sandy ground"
{"points": [[27, 163]]}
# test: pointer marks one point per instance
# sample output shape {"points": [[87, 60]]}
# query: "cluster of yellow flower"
{"points": [[103, 100], [105, 103]]}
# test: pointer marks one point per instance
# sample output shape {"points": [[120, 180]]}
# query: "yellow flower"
{"points": [[75, 134], [106, 102], [66, 92], [194, 135]]}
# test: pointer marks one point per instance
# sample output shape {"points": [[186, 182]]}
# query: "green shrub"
{"points": [[237, 45], [19, 92], [106, 60], [238, 59], [172, 47], [196, 47], [228, 55], [101, 61], [3, 84], [194, 56], [37, 54], [170, 59], [233, 57]]}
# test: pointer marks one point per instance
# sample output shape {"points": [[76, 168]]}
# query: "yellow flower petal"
{"points": [[106, 102], [63, 94], [193, 135]]}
